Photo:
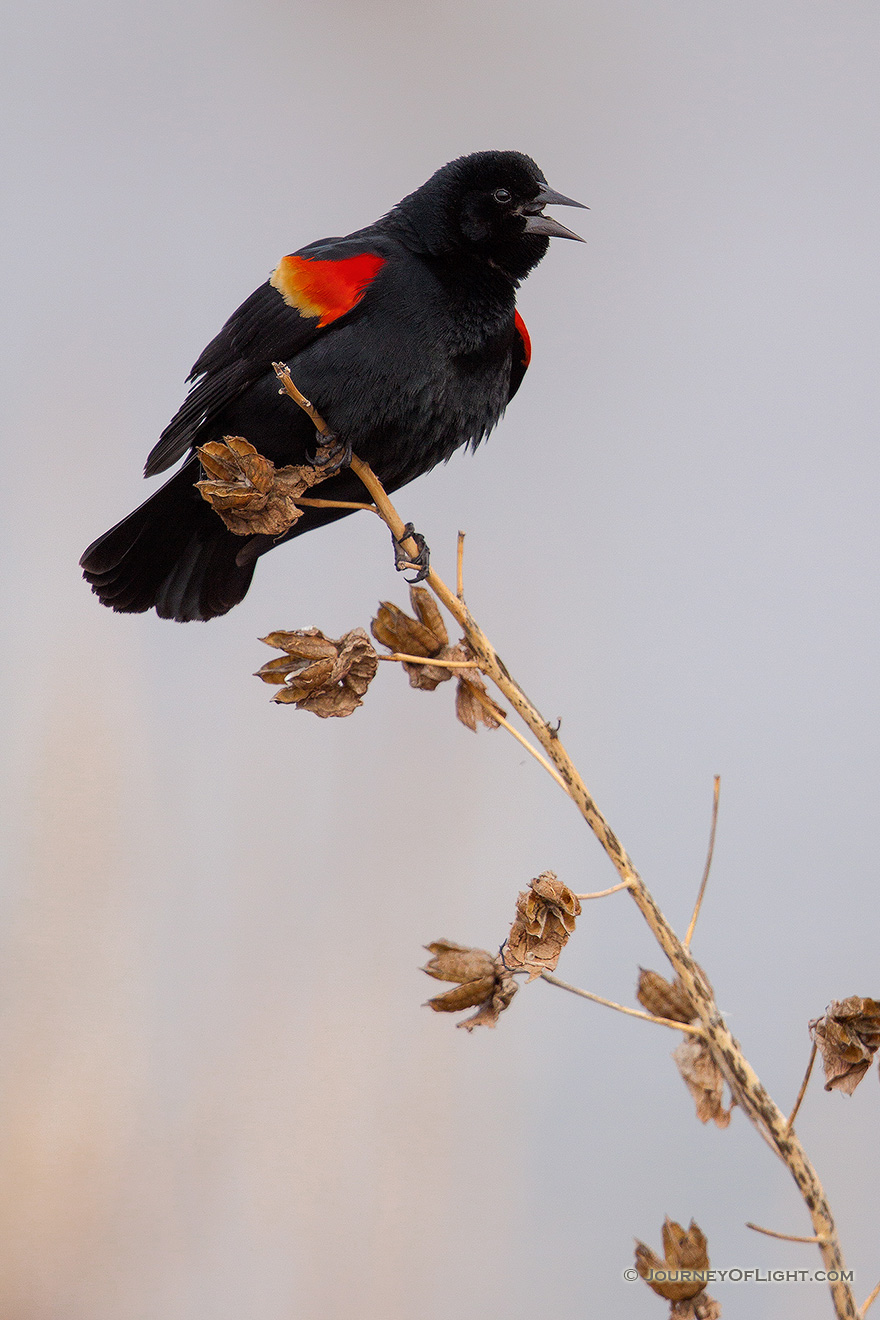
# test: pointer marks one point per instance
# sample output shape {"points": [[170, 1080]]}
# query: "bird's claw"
{"points": [[403, 560], [337, 454]]}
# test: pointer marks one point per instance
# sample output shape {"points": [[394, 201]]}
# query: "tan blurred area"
{"points": [[69, 1116], [290, 1146]]}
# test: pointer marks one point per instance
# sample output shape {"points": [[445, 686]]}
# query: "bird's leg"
{"points": [[336, 453], [420, 561]]}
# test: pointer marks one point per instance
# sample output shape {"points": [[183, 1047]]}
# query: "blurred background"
{"points": [[220, 1095]]}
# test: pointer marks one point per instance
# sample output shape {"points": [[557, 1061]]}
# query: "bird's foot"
{"points": [[332, 453], [403, 560]]}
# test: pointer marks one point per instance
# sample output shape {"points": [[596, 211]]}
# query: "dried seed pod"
{"points": [[680, 1277], [317, 673], [484, 983], [545, 918], [848, 1036], [248, 492], [666, 999], [473, 705], [704, 1079], [423, 635]]}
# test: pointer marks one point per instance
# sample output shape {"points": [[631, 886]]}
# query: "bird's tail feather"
{"points": [[173, 553]]}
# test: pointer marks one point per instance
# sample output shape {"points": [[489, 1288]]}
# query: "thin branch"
{"points": [[785, 1237], [459, 568], [603, 893], [803, 1091], [283, 374], [426, 660], [334, 504], [869, 1301], [707, 868], [622, 1008], [499, 719], [745, 1085]]}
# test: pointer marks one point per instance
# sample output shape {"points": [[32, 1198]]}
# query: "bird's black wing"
{"points": [[307, 292]]}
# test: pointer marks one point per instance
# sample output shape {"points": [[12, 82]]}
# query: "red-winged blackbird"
{"points": [[405, 337]]}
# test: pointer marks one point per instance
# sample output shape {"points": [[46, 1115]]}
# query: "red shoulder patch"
{"points": [[520, 326], [326, 289]]}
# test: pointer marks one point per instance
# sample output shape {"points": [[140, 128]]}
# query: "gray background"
{"points": [[220, 1095]]}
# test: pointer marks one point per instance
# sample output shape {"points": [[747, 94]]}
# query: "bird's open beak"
{"points": [[538, 223]]}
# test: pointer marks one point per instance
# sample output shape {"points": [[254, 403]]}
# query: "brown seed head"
{"points": [[249, 493], [666, 999], [848, 1036], [545, 918], [473, 705], [423, 635], [485, 983], [704, 1079], [318, 673], [685, 1256]]}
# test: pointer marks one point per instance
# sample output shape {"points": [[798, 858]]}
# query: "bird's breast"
{"points": [[407, 398]]}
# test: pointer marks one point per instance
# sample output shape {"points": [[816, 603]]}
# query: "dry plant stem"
{"points": [[426, 660], [622, 1008], [707, 868], [459, 567], [603, 893], [334, 504], [745, 1085], [869, 1301], [783, 1237], [803, 1091], [524, 742], [281, 371]]}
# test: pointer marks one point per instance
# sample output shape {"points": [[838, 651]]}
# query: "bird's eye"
{"points": [[502, 196]]}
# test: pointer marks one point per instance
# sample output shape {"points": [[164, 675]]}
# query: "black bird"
{"points": [[405, 337]]}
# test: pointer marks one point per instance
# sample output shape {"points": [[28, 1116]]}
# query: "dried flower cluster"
{"points": [[484, 983], [685, 1256], [545, 917], [848, 1036], [318, 673], [329, 677], [702, 1076], [426, 635], [249, 493]]}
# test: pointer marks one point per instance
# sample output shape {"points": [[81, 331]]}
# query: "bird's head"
{"points": [[491, 204]]}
